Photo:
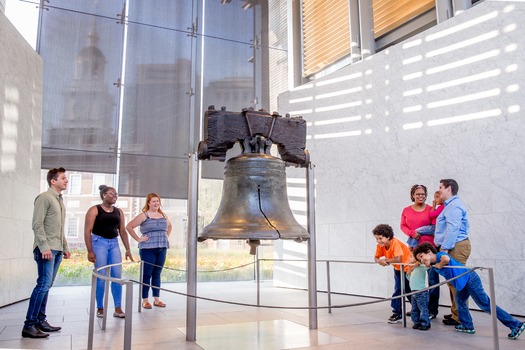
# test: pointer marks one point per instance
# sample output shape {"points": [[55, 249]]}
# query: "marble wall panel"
{"points": [[20, 126], [447, 102]]}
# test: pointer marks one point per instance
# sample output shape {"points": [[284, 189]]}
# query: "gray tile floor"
{"points": [[225, 326]]}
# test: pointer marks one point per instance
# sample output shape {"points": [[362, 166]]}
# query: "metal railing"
{"points": [[257, 265]]}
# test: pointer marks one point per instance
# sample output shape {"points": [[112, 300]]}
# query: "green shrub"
{"points": [[212, 265]]}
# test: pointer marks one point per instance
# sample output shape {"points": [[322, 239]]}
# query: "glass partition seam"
{"points": [[123, 22]]}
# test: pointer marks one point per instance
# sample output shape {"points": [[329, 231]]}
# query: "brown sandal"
{"points": [[146, 305], [159, 304]]}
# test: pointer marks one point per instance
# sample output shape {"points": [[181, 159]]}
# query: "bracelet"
{"points": [[127, 250]]}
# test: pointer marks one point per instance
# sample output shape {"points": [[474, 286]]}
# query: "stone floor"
{"points": [[225, 326]]}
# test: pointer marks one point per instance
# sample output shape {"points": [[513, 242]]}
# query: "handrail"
{"points": [[129, 294]]}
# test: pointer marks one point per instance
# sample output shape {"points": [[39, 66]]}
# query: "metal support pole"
{"points": [[128, 319], [312, 268], [366, 23], [355, 35], [461, 5], [328, 287], [141, 279], [191, 249], [492, 291], [258, 282], [403, 306], [92, 312], [443, 10], [106, 298]]}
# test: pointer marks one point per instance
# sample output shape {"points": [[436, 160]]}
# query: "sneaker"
{"points": [[415, 326], [395, 318], [432, 316], [516, 332], [424, 328], [409, 313], [463, 329], [447, 317], [451, 322]]}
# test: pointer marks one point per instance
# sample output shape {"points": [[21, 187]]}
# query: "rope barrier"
{"points": [[342, 306]]}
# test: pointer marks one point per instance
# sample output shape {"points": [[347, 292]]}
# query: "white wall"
{"points": [[447, 103], [20, 135]]}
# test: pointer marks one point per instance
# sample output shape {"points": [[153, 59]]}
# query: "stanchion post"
{"points": [[312, 259], [139, 294], [92, 302], [128, 319], [258, 273], [191, 249], [493, 314], [106, 298], [403, 307], [328, 286]]}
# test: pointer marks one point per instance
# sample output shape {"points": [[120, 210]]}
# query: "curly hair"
{"points": [[423, 248], [413, 190], [383, 230]]}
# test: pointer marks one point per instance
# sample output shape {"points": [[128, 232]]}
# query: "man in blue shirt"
{"points": [[467, 285], [451, 235]]}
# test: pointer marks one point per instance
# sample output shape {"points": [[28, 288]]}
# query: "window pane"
{"points": [[326, 33], [75, 181], [155, 127], [81, 52], [391, 14]]}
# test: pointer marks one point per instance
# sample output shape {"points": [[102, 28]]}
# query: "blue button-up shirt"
{"points": [[452, 224]]}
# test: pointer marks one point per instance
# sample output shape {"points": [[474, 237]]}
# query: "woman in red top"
{"points": [[417, 215], [413, 217]]}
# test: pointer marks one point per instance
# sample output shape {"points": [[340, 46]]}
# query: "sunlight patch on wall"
{"points": [[339, 93], [462, 26], [463, 44], [302, 99], [463, 62], [465, 117], [339, 106], [466, 98], [300, 112], [465, 80], [415, 125], [338, 120], [338, 134], [340, 79], [9, 130]]}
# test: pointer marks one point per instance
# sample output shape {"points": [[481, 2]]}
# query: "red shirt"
{"points": [[411, 219]]}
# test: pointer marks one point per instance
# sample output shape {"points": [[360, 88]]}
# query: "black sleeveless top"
{"points": [[106, 224]]}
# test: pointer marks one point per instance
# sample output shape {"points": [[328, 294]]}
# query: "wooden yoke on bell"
{"points": [[222, 129]]}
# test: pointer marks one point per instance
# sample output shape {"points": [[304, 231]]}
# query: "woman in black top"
{"points": [[104, 223]]}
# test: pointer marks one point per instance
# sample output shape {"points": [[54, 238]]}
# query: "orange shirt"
{"points": [[397, 248]]}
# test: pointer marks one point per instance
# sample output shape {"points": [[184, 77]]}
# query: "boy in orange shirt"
{"points": [[390, 250]]}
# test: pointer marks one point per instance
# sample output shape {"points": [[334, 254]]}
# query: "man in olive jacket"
{"points": [[48, 249]]}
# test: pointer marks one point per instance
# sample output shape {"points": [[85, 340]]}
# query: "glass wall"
{"points": [[126, 85]]}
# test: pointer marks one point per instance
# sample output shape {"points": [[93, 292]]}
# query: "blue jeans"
{"points": [[433, 298], [107, 252], [396, 303], [154, 259], [419, 313], [47, 271], [474, 289]]}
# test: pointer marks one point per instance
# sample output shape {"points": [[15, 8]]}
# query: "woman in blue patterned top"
{"points": [[155, 228]]}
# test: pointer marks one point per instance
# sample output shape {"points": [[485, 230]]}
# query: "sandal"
{"points": [[100, 313], [159, 304], [146, 305]]}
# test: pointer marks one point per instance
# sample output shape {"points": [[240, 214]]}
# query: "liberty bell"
{"points": [[254, 204]]}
